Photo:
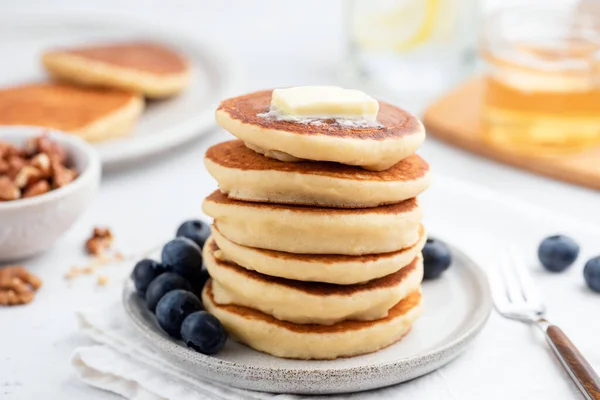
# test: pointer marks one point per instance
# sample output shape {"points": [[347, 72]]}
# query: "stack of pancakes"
{"points": [[321, 257]]}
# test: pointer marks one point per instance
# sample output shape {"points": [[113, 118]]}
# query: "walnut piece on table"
{"points": [[17, 286], [99, 246], [101, 240]]}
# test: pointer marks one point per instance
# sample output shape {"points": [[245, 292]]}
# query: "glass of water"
{"points": [[410, 49]]}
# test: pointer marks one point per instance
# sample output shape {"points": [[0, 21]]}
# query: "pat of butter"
{"points": [[324, 102]]}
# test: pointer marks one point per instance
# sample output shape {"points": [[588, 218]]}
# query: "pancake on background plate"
{"points": [[92, 114], [151, 69]]}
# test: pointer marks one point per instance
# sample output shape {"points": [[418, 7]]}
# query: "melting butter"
{"points": [[312, 103]]}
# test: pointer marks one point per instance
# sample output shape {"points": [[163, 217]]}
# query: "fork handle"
{"points": [[580, 371]]}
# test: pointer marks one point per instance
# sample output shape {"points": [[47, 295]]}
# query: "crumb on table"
{"points": [[102, 280]]}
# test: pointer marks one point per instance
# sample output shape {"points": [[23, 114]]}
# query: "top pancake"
{"points": [[234, 154], [395, 122], [60, 106], [375, 147], [140, 56]]}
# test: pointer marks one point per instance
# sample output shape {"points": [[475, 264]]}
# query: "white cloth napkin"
{"points": [[123, 363]]}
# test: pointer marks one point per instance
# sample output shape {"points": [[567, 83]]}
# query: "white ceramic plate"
{"points": [[456, 308], [165, 124]]}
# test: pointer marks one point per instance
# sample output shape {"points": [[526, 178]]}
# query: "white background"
{"points": [[276, 43]]}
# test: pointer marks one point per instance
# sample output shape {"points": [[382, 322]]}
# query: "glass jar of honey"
{"points": [[542, 86]]}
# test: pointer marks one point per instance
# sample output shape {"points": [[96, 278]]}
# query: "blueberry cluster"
{"points": [[558, 252], [172, 289]]}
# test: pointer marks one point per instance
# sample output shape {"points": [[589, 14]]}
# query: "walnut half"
{"points": [[8, 189], [100, 241], [17, 286]]}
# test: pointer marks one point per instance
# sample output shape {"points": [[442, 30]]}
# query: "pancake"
{"points": [[246, 175], [93, 114], [309, 302], [313, 230], [285, 339], [327, 268], [375, 147], [147, 68]]}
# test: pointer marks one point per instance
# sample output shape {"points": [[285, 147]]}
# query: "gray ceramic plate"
{"points": [[456, 309]]}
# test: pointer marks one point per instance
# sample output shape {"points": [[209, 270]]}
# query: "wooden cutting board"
{"points": [[456, 119]]}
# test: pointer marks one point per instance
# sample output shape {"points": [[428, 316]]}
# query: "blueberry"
{"points": [[183, 256], [436, 258], [195, 230], [199, 281], [591, 273], [162, 285], [203, 332], [144, 273], [173, 308], [558, 252]]}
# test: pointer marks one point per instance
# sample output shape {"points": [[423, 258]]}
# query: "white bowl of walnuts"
{"points": [[47, 179]]}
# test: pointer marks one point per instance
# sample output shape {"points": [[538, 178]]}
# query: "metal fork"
{"points": [[516, 297]]}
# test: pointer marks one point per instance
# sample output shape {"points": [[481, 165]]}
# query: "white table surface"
{"points": [[144, 205]]}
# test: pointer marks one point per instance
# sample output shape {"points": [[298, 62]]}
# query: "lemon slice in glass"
{"points": [[398, 25]]}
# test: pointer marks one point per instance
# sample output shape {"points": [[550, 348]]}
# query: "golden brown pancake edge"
{"points": [[329, 258], [58, 105], [141, 56], [234, 154], [401, 308], [398, 208], [319, 288]]}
